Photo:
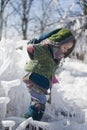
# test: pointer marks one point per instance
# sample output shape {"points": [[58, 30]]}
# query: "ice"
{"points": [[8, 84], [8, 123], [69, 96], [11, 73], [3, 106], [19, 96]]}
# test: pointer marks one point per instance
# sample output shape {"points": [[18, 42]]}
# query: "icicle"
{"points": [[23, 125], [8, 124]]}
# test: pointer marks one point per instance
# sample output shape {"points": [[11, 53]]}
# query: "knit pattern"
{"points": [[43, 62], [60, 35]]}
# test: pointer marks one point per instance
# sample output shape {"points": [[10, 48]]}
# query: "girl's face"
{"points": [[64, 48], [59, 52]]}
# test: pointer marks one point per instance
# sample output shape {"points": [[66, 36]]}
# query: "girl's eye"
{"points": [[64, 47]]}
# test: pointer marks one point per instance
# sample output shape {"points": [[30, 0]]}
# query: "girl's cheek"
{"points": [[62, 49]]}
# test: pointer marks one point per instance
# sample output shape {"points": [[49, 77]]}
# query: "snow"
{"points": [[69, 95], [12, 63], [7, 123], [3, 107], [71, 92]]}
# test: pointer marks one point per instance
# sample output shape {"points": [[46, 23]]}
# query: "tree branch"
{"points": [[16, 9]]}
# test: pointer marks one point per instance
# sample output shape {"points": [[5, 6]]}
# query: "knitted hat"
{"points": [[61, 37]]}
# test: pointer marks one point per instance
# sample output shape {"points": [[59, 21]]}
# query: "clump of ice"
{"points": [[3, 106], [70, 95], [12, 61]]}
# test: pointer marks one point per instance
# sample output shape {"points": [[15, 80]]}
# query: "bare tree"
{"points": [[83, 5], [3, 4], [44, 17], [51, 14], [22, 9]]}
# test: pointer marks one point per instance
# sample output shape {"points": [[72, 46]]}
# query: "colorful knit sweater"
{"points": [[42, 62]]}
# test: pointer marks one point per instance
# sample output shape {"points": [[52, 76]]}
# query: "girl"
{"points": [[45, 58]]}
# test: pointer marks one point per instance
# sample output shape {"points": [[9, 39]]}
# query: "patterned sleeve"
{"points": [[40, 52], [30, 50]]}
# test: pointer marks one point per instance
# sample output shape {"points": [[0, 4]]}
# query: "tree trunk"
{"points": [[85, 7], [1, 24], [24, 28]]}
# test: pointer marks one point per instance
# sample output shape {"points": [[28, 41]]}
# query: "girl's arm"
{"points": [[30, 50]]}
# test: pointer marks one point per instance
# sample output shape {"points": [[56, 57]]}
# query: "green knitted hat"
{"points": [[62, 36]]}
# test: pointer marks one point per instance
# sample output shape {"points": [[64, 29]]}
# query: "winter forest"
{"points": [[21, 21], [25, 19]]}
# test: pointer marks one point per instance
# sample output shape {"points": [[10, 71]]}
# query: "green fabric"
{"points": [[61, 35], [43, 62]]}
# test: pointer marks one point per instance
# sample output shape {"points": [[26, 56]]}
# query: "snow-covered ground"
{"points": [[69, 95]]}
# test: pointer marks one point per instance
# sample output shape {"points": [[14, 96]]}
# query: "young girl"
{"points": [[45, 58]]}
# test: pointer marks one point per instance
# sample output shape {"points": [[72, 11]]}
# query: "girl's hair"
{"points": [[70, 50], [50, 47], [66, 54]]}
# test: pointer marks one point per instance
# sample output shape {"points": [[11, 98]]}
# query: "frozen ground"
{"points": [[69, 96]]}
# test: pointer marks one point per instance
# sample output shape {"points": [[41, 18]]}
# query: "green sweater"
{"points": [[42, 63]]}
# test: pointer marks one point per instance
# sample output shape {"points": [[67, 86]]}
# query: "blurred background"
{"points": [[23, 20], [27, 19]]}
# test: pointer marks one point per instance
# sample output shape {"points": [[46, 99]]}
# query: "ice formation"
{"points": [[11, 85], [70, 95]]}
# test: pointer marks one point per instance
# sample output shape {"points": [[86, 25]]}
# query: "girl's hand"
{"points": [[55, 80], [30, 49]]}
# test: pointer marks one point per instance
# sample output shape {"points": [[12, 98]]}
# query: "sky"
{"points": [[68, 3], [12, 32]]}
